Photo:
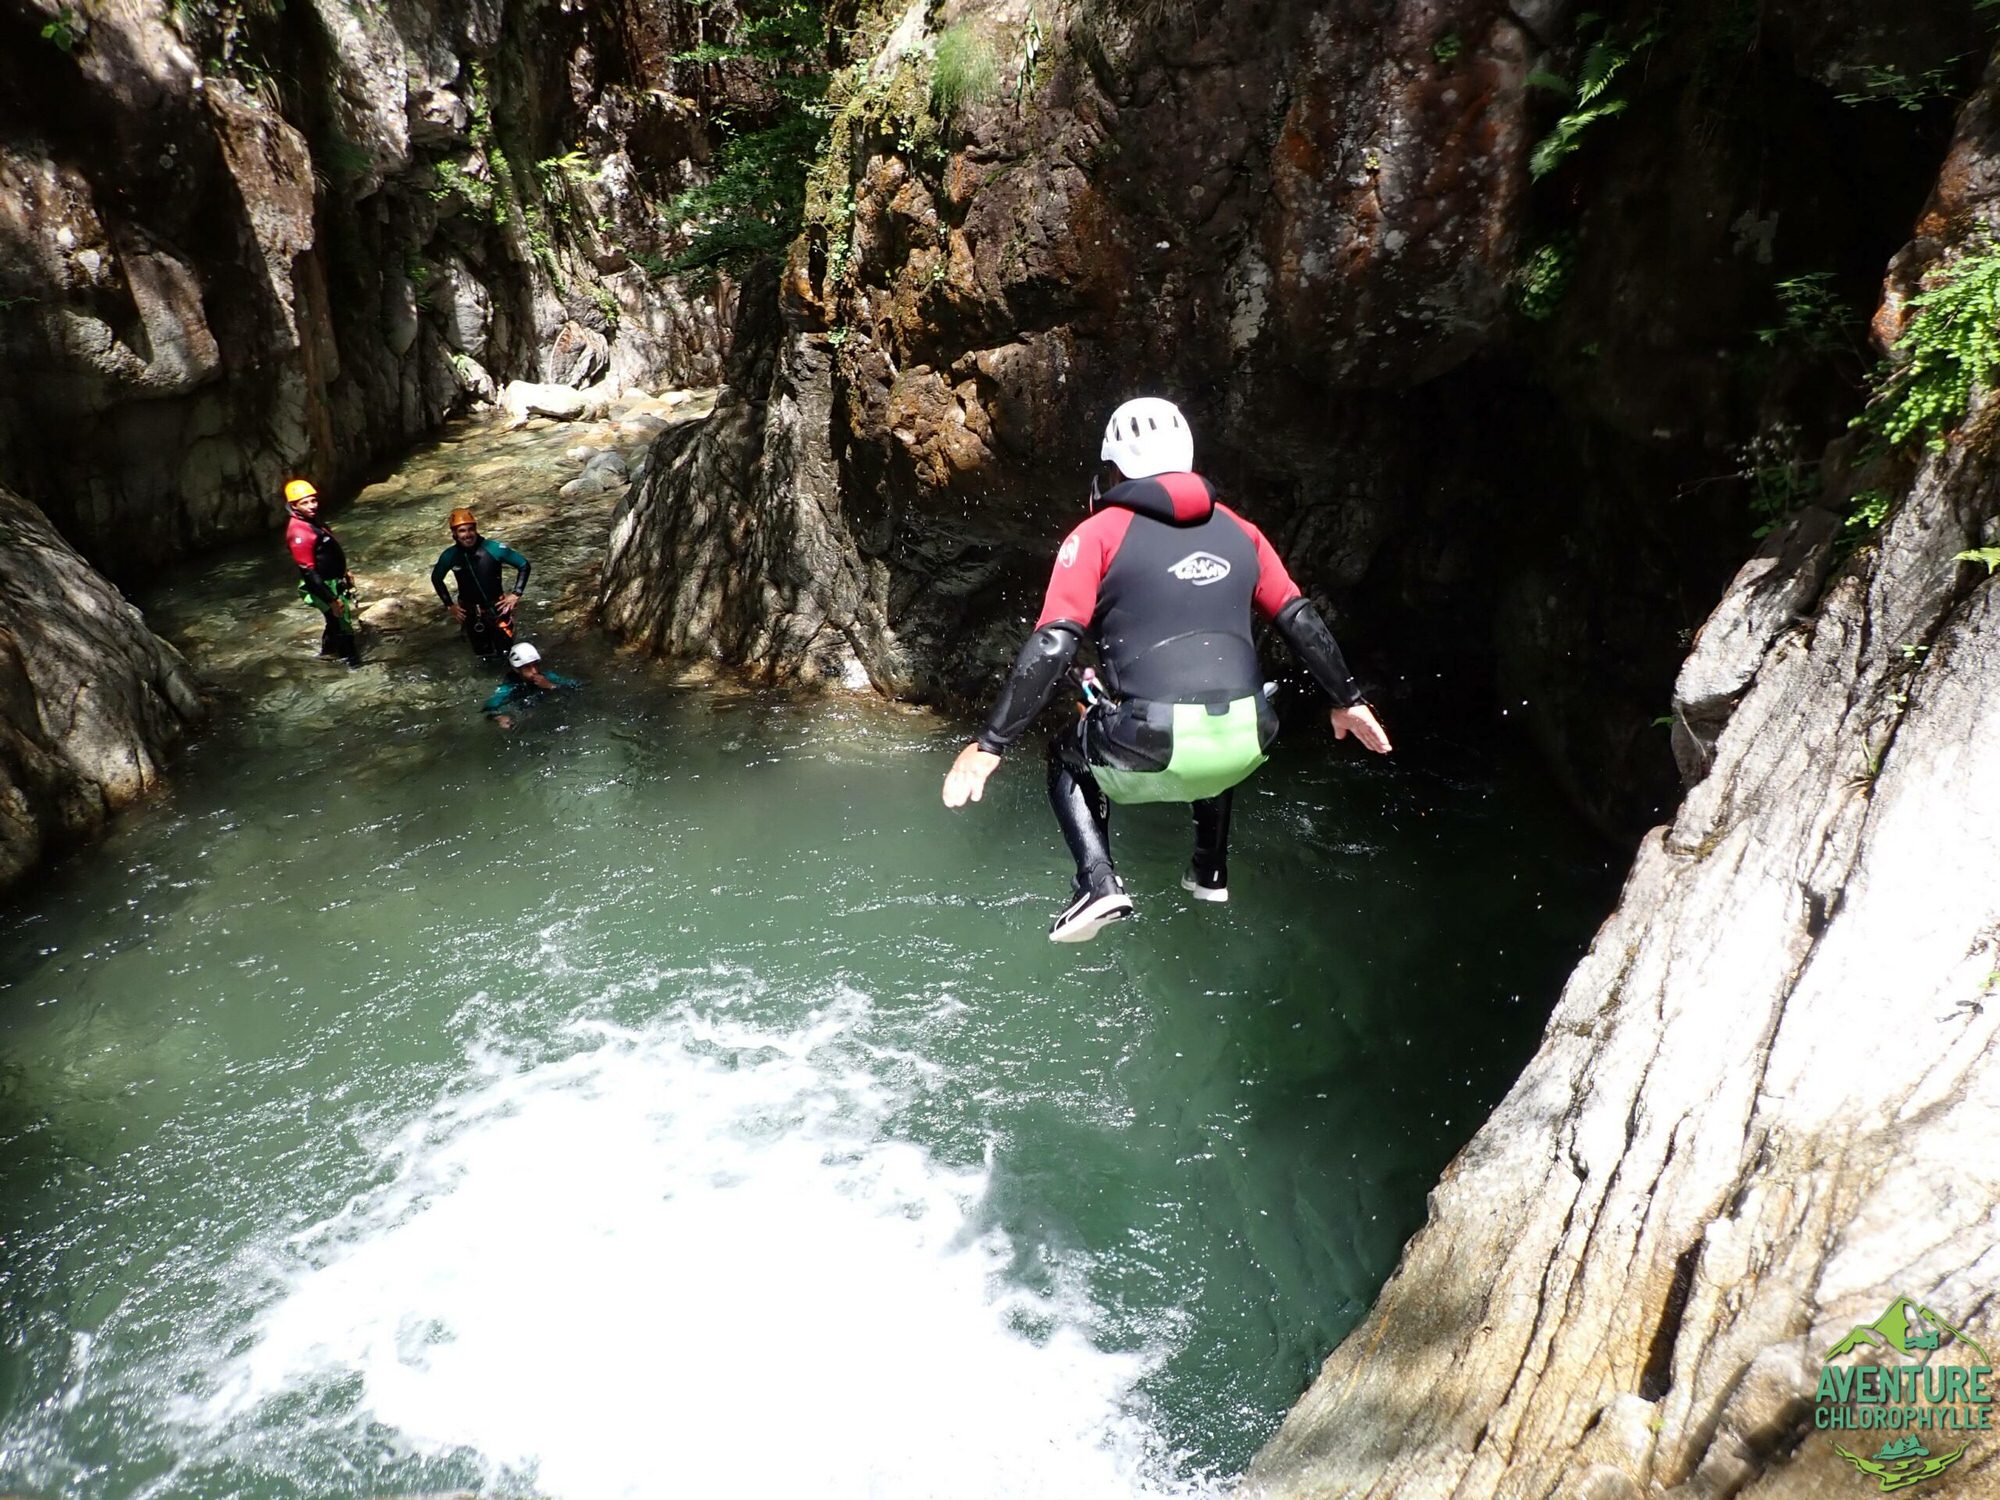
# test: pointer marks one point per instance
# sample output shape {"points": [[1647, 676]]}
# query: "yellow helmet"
{"points": [[462, 517], [299, 489]]}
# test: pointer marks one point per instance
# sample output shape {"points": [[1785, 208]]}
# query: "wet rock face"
{"points": [[90, 700], [242, 243], [1247, 207], [736, 550], [1751, 1123]]}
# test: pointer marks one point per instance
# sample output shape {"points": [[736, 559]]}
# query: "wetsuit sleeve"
{"points": [[441, 572], [503, 695], [1306, 633], [303, 545], [1275, 588], [512, 559], [1038, 670], [1074, 580]]}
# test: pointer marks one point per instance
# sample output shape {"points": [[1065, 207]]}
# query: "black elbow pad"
{"points": [[1306, 633], [1038, 671]]}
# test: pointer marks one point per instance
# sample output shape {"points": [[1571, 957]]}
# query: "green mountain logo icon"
{"points": [[1907, 1327]]}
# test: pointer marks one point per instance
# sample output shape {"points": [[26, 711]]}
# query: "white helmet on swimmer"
{"points": [[523, 655], [1148, 436]]}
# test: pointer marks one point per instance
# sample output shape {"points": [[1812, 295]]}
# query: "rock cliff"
{"points": [[90, 700], [1504, 428], [1760, 1110], [239, 242]]}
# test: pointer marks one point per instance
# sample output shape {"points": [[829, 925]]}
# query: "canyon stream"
{"points": [[668, 1096]]}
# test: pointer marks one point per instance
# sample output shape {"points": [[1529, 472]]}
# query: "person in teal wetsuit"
{"points": [[485, 607], [528, 683]]}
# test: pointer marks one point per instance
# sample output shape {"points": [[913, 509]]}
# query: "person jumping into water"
{"points": [[1163, 580], [484, 608], [324, 581]]}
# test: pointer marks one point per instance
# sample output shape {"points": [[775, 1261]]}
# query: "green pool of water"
{"points": [[671, 1097]]}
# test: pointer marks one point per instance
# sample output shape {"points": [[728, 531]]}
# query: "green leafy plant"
{"points": [[965, 71], [1884, 85], [1543, 275], [1028, 64], [1604, 58], [571, 166], [1949, 350], [450, 178], [1870, 509], [1812, 317], [1448, 48], [1988, 555], [754, 201], [65, 31]]}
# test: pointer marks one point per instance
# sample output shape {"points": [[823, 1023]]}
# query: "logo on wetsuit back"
{"points": [[1911, 1380], [1201, 569]]}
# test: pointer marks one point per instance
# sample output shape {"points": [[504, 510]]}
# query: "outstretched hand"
{"points": [[966, 781], [1360, 722]]}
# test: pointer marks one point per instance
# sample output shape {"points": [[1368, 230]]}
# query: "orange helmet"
{"points": [[461, 517], [299, 489]]}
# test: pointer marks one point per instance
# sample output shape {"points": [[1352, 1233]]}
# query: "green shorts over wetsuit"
{"points": [[1174, 752]]}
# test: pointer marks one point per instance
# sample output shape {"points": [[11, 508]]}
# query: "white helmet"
{"points": [[1146, 437], [523, 655]]}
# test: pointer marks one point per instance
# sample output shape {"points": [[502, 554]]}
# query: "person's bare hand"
{"points": [[1360, 721], [966, 781], [457, 613]]}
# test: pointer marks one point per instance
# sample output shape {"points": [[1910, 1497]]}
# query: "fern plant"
{"points": [[1603, 60], [1950, 349]]}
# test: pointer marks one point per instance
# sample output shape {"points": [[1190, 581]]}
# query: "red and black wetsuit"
{"points": [[323, 580], [1166, 581]]}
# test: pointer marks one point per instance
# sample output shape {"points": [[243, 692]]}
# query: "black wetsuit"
{"points": [[1165, 580], [476, 570]]}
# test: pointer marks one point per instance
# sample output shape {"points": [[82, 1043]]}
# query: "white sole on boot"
{"points": [[1081, 924], [1201, 892]]}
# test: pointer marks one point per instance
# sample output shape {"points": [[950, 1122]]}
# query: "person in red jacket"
{"points": [[324, 581], [1164, 580]]}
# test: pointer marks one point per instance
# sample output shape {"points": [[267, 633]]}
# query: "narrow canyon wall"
{"points": [[1764, 1105], [240, 242], [91, 702]]}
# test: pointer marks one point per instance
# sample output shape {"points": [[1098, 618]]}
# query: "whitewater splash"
{"points": [[683, 1259]]}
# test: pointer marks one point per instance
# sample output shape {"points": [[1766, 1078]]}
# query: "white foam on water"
{"points": [[685, 1260]]}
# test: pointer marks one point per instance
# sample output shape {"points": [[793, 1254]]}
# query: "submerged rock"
{"points": [[91, 701]]}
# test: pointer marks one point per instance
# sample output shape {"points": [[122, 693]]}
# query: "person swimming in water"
{"points": [[528, 683], [1164, 581]]}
